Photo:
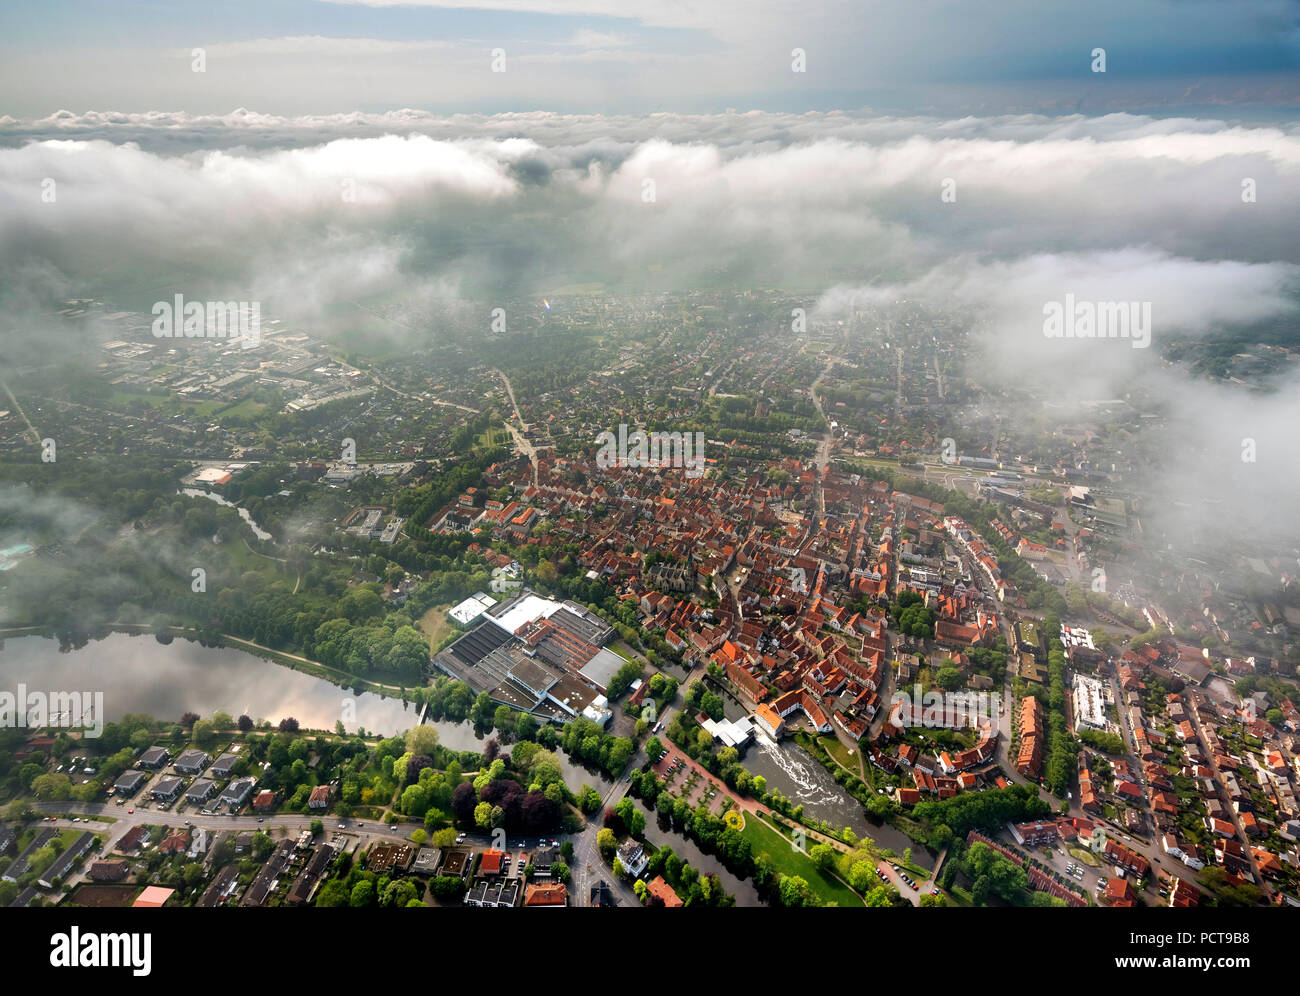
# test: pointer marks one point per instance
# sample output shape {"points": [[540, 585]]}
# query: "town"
{"points": [[643, 652]]}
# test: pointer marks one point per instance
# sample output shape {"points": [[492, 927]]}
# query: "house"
{"points": [[167, 789], [491, 862], [1183, 895], [1221, 827], [237, 792], [201, 791], [1129, 790], [543, 858], [1034, 834], [495, 894], [427, 860], [663, 892], [132, 839], [108, 871], [602, 896], [457, 862], [63, 864], [223, 766], [633, 857], [154, 758], [191, 762], [21, 864], [176, 842], [546, 894], [1184, 852], [305, 884], [130, 783], [267, 880], [1123, 857], [1120, 892], [390, 858], [222, 888], [264, 800], [321, 797], [153, 897]]}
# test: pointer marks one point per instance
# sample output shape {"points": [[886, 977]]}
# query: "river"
{"points": [[798, 776], [258, 531], [137, 674]]}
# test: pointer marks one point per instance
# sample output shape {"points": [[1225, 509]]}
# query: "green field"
{"points": [[786, 860], [435, 625], [835, 747]]}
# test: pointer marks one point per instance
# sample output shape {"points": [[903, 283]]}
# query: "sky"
{"points": [[612, 56]]}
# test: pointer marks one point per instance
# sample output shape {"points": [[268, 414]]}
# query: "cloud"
{"points": [[315, 214], [809, 201]]}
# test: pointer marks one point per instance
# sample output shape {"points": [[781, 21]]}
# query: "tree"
{"points": [[606, 843], [632, 817], [795, 891], [422, 739], [363, 894], [444, 838], [52, 786], [949, 679], [333, 894], [204, 733], [447, 887], [862, 875], [245, 723], [823, 856], [261, 845]]}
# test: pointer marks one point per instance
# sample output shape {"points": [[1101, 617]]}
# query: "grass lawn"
{"points": [[786, 860], [434, 624], [835, 747], [248, 408], [1087, 857], [622, 649]]}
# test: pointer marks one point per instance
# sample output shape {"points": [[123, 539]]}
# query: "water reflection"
{"points": [[258, 531], [137, 674]]}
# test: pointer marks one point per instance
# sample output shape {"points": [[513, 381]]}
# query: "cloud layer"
{"points": [[308, 214]]}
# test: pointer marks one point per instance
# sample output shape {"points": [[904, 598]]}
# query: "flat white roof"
{"points": [[527, 609], [732, 733], [467, 611]]}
